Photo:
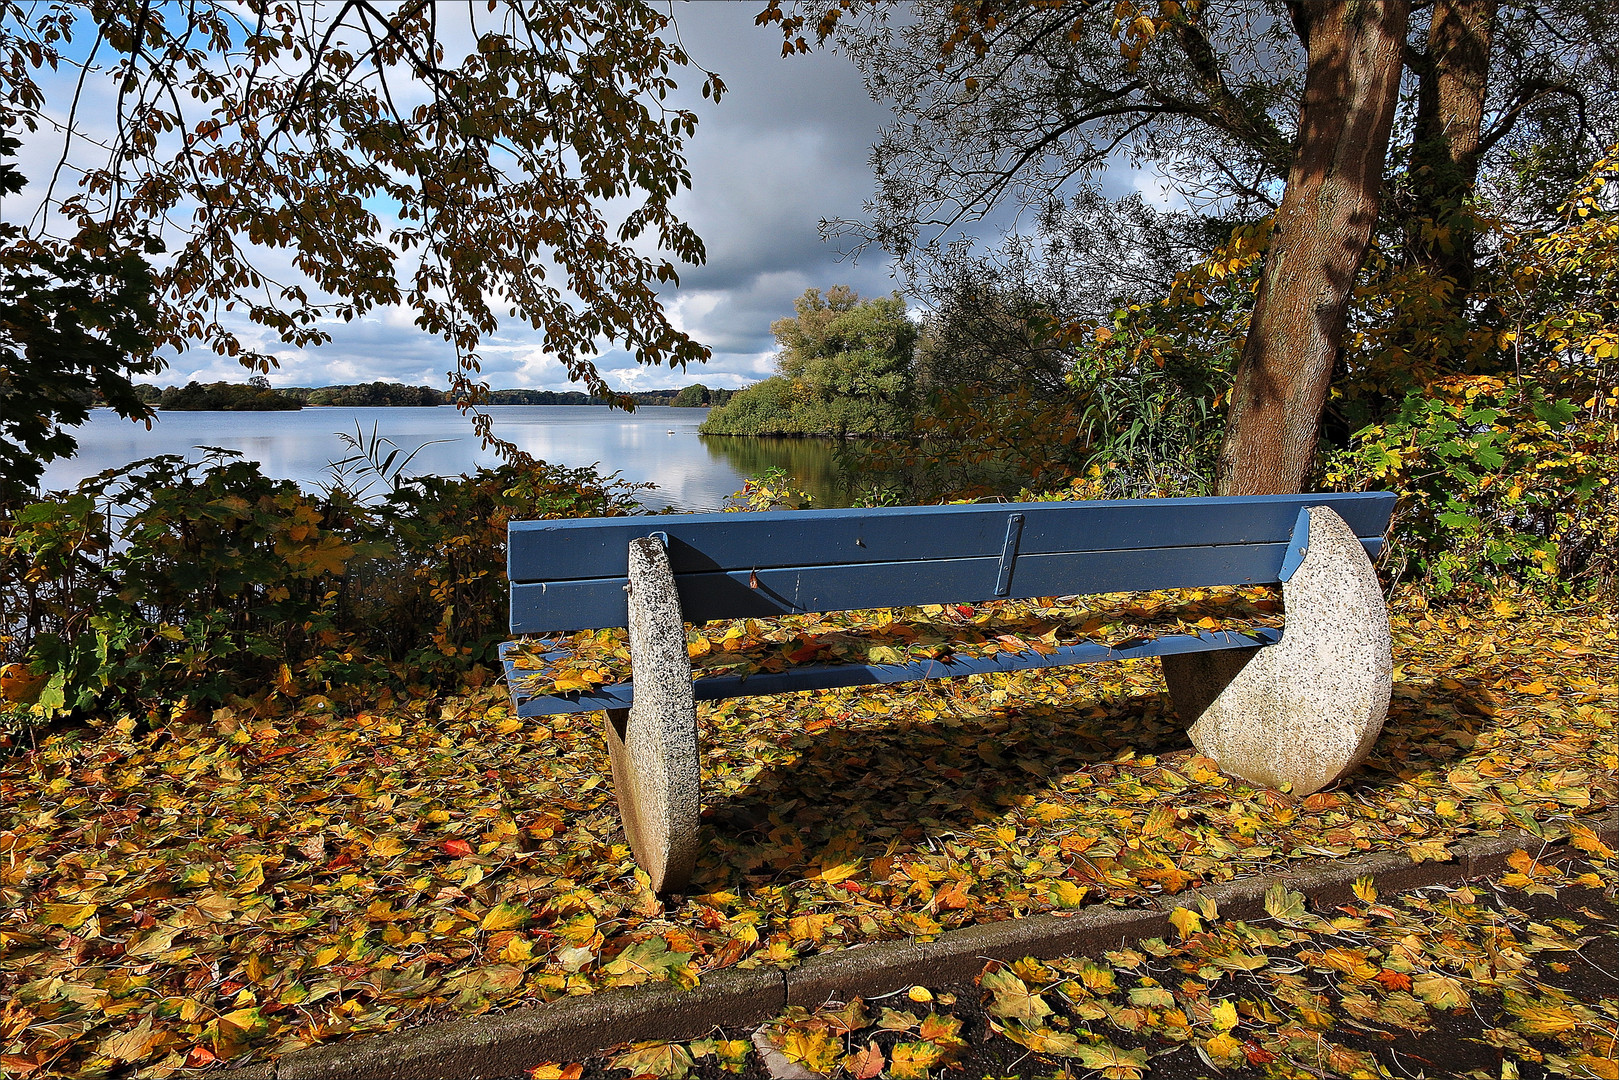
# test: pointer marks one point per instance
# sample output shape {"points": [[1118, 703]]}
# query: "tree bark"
{"points": [[1445, 150], [1321, 232]]}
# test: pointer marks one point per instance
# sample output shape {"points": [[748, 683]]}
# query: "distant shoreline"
{"points": [[258, 395], [444, 405]]}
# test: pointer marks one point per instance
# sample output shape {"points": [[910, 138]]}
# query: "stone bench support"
{"points": [[1305, 711]]}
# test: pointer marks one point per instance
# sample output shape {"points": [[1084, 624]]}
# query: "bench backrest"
{"points": [[570, 574]]}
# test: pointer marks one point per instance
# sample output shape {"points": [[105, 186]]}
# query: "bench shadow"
{"points": [[862, 790]]}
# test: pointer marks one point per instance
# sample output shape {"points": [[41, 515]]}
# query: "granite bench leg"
{"points": [[653, 743], [1306, 710]]}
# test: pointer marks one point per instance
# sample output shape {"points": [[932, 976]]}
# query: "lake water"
{"points": [[654, 444]]}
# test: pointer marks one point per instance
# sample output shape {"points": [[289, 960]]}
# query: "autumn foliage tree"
{"points": [[305, 163], [1299, 113]]}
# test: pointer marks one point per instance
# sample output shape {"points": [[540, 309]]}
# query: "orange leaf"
{"points": [[865, 1064], [551, 1070], [1393, 980]]}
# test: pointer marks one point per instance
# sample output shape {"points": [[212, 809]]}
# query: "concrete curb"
{"points": [[571, 1029]]}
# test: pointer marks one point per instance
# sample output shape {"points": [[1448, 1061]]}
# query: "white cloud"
{"points": [[785, 147]]}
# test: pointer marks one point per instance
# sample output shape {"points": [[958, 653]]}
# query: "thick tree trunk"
{"points": [[1351, 85], [1452, 82]]}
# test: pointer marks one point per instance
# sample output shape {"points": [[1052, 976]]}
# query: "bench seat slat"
{"points": [[597, 548], [555, 607], [833, 676]]}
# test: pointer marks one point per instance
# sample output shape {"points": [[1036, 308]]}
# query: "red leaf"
{"points": [[200, 1056], [457, 847], [1256, 1054]]}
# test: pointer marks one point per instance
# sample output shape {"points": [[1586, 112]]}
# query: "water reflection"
{"points": [[812, 463], [656, 445]]}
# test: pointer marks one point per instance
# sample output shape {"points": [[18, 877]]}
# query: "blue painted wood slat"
{"points": [[832, 676], [556, 607], [594, 548]]}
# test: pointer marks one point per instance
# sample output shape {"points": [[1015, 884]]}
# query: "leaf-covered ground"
{"points": [[283, 873], [1517, 977]]}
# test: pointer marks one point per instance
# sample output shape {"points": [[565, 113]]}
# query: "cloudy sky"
{"points": [[786, 146]]}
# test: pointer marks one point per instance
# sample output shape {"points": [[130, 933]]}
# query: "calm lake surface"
{"points": [[654, 444]]}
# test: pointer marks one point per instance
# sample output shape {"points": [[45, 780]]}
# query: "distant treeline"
{"points": [[233, 397], [258, 394], [372, 393], [693, 396]]}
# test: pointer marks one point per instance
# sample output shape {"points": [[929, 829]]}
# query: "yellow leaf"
{"points": [[1603, 1068], [1013, 999], [812, 927], [1440, 991], [1224, 1049], [1366, 889], [913, 1060], [135, 1044], [667, 1061], [1161, 820], [815, 1050], [831, 875], [579, 930], [1042, 1040], [1186, 921], [1543, 1019], [551, 1070], [1223, 1016], [1066, 893], [518, 950], [504, 917], [67, 916], [1587, 840]]}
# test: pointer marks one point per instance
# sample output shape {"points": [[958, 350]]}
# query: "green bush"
{"points": [[170, 582], [844, 369], [1498, 480]]}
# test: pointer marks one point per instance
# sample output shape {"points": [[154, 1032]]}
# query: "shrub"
{"points": [[186, 583], [844, 369], [1497, 479]]}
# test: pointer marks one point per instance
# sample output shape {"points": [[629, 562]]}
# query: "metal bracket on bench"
{"points": [[1297, 547], [1014, 533]]}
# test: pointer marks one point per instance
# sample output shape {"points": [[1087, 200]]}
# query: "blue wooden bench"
{"points": [[1297, 706]]}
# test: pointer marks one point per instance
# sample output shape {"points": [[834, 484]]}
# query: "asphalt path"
{"points": [[1454, 1044]]}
